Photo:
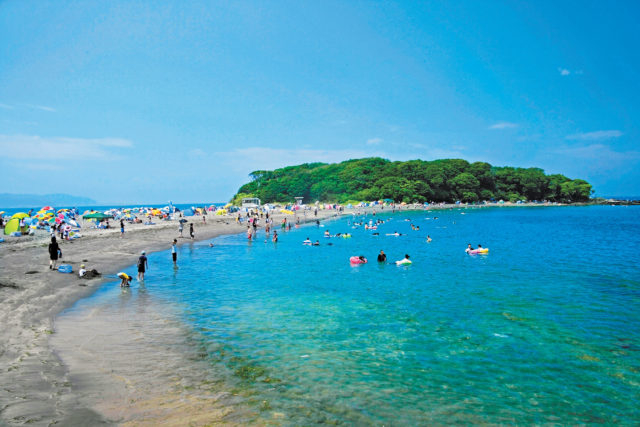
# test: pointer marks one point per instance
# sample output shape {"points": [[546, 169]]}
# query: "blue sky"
{"points": [[142, 102]]}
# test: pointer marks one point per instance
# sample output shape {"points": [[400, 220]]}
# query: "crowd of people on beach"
{"points": [[254, 220]]}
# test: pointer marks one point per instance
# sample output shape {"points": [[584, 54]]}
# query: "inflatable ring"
{"points": [[65, 268]]}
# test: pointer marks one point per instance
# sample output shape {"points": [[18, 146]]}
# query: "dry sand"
{"points": [[35, 386]]}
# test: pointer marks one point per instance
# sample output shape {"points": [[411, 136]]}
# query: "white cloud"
{"points": [[42, 107], [33, 147], [594, 136], [566, 72], [6, 107], [374, 141], [503, 125]]}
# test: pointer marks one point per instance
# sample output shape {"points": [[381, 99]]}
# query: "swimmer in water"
{"points": [[428, 238]]}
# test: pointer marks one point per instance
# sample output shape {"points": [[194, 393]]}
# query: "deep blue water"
{"points": [[545, 328]]}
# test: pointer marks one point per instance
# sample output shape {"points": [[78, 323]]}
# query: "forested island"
{"points": [[446, 180]]}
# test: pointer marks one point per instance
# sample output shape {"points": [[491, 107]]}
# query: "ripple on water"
{"points": [[537, 331]]}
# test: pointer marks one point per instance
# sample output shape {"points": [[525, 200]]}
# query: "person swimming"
{"points": [[382, 257], [307, 241]]}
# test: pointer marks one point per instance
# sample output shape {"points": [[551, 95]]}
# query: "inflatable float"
{"points": [[357, 260], [404, 262], [478, 251], [65, 268]]}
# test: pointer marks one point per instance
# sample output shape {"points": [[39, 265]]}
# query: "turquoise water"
{"points": [[545, 328]]}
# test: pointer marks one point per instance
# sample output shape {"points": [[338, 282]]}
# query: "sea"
{"points": [[545, 328]]}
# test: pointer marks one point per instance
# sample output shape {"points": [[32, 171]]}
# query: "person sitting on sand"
{"points": [[382, 257], [82, 271], [54, 253]]}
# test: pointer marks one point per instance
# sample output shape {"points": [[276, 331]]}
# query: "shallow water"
{"points": [[545, 328]]}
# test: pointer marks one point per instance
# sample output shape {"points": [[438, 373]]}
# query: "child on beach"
{"points": [[126, 280], [191, 231]]}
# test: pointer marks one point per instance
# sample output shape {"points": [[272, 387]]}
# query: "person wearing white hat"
{"points": [[142, 266]]}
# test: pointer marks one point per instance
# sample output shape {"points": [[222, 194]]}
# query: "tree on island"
{"points": [[445, 180]]}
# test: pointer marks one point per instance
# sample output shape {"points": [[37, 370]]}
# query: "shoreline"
{"points": [[38, 389], [41, 390]]}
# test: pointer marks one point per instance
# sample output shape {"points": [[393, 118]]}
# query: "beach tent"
{"points": [[188, 212], [12, 226], [97, 215]]}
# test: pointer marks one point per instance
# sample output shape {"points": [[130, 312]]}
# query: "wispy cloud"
{"points": [[503, 125], [566, 72], [42, 107], [595, 136], [374, 141], [6, 106], [28, 147]]}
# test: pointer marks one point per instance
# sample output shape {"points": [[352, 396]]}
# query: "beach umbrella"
{"points": [[47, 208], [183, 220], [20, 215], [97, 215]]}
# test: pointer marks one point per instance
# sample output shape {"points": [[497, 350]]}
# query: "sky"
{"points": [[145, 101]]}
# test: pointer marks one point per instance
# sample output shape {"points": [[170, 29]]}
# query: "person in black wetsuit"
{"points": [[382, 257]]}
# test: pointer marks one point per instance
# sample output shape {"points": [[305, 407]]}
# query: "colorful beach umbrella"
{"points": [[20, 215]]}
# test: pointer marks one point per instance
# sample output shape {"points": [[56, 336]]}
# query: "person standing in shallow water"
{"points": [[142, 266], [191, 233], [54, 253], [174, 253]]}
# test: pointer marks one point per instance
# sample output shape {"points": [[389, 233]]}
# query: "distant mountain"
{"points": [[8, 200]]}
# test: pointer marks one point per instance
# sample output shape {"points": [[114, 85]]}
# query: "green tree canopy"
{"points": [[444, 180]]}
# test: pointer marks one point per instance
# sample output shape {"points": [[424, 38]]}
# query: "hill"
{"points": [[446, 180], [8, 200]]}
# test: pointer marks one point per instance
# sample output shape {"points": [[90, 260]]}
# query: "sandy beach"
{"points": [[36, 388]]}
